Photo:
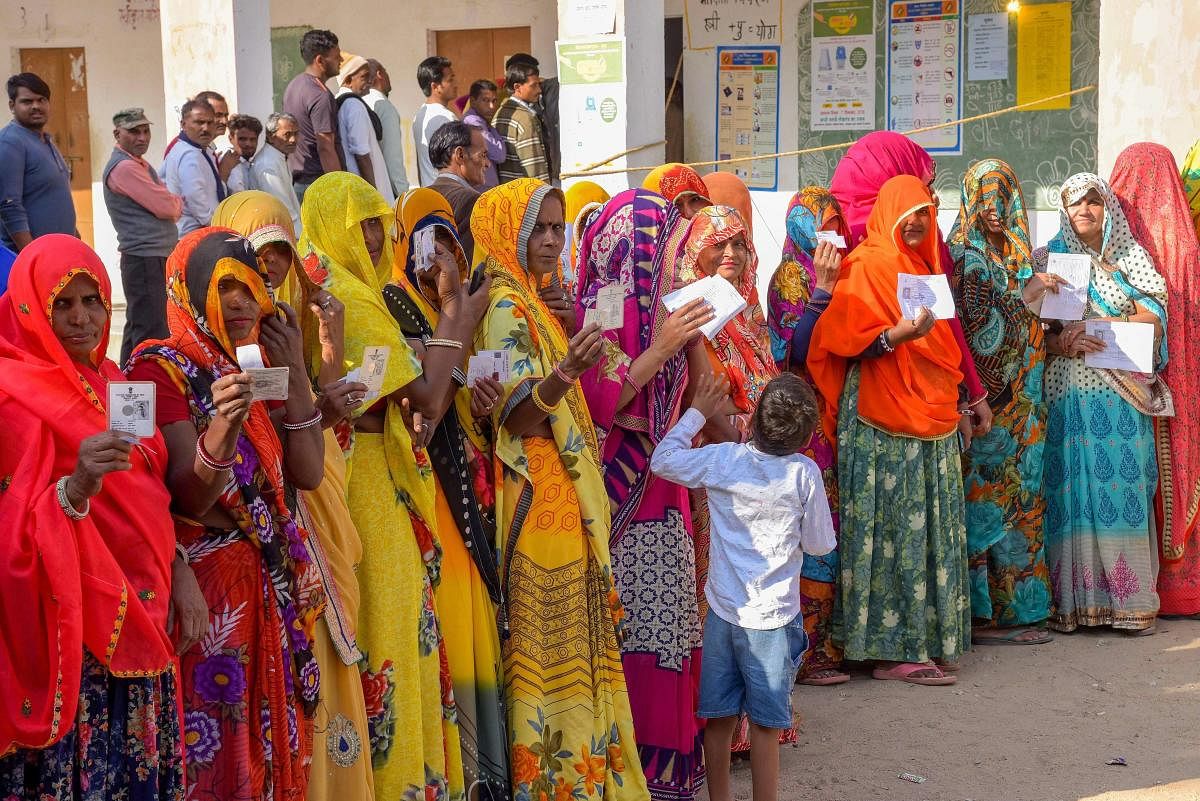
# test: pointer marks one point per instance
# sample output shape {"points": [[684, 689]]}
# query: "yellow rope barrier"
{"points": [[590, 170]]}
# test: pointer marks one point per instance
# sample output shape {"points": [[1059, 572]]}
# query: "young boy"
{"points": [[767, 506]]}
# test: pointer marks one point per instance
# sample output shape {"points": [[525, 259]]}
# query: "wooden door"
{"points": [[480, 52], [65, 70]]}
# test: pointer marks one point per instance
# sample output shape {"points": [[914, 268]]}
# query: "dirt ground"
{"points": [[1029, 723]]}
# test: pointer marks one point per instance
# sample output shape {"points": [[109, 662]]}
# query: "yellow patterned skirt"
{"points": [[569, 720], [414, 739]]}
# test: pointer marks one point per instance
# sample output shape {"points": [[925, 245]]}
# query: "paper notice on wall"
{"points": [[1044, 54], [711, 23], [924, 72], [987, 47], [748, 112], [843, 65], [588, 17]]}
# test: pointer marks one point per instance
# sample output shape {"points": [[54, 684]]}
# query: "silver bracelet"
{"points": [[303, 424], [65, 502], [883, 342], [182, 553]]}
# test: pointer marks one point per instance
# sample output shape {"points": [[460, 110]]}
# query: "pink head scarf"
{"points": [[867, 166]]}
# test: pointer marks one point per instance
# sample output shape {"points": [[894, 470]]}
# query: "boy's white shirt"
{"points": [[765, 512]]}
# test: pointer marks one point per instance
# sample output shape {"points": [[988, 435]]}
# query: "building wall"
{"points": [[1149, 71], [122, 50]]}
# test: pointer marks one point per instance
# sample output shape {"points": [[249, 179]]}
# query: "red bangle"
{"points": [[210, 461], [558, 371]]}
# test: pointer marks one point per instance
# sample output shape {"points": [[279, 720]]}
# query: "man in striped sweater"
{"points": [[518, 123]]}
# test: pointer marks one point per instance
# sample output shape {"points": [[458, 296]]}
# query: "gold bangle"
{"points": [[537, 400]]}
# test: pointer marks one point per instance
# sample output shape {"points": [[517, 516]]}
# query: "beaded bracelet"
{"points": [[65, 502], [209, 461], [443, 343], [458, 376], [883, 343], [309, 423], [538, 402]]}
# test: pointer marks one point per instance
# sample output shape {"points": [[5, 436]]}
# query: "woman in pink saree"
{"points": [[634, 394]]}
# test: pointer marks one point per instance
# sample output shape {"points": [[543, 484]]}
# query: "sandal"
{"points": [[906, 672], [1146, 632], [824, 677], [1011, 636], [948, 667]]}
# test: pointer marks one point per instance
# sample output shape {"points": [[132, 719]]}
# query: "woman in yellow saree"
{"points": [[469, 593], [570, 727], [340, 766], [411, 713]]}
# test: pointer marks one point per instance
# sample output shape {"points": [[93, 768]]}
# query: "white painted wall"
{"points": [[1149, 71], [122, 49]]}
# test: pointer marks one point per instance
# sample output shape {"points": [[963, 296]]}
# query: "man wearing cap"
{"points": [[360, 128], [144, 214]]}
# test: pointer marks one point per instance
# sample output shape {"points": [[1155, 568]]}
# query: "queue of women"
{"points": [[423, 589]]}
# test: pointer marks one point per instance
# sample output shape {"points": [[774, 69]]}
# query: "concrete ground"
{"points": [[1023, 723]]}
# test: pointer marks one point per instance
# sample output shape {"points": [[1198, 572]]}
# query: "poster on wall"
{"points": [[924, 71], [711, 23], [591, 76], [589, 17], [987, 47], [1044, 54], [748, 112], [843, 65]]}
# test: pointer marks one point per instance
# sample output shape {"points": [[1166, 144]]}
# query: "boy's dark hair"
{"points": [[786, 416], [518, 72], [446, 140], [431, 71], [240, 121], [481, 86], [29, 81], [193, 105], [315, 43]]}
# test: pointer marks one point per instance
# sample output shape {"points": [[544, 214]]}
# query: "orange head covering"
{"points": [[726, 189], [100, 583], [914, 390], [675, 180]]}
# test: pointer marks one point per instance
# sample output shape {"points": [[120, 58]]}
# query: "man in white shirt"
{"points": [[380, 86], [359, 128], [244, 131], [767, 508], [190, 169], [435, 76], [271, 171]]}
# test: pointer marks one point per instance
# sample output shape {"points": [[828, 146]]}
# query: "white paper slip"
{"points": [[249, 357], [488, 364], [374, 367], [131, 408], [424, 243], [610, 307], [564, 258], [1069, 302], [720, 294], [269, 383], [1127, 346], [837, 239], [924, 291]]}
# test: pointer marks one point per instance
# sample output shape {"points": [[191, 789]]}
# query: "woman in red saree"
{"points": [[1147, 183], [86, 667], [250, 686]]}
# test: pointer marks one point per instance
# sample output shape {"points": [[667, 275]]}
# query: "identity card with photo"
{"points": [[131, 408], [488, 364], [374, 368], [924, 291]]}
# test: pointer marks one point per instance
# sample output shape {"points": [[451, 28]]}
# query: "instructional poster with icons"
{"points": [[591, 77], [924, 71], [748, 112], [843, 65]]}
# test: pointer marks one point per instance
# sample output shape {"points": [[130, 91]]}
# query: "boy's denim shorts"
{"points": [[750, 670]]}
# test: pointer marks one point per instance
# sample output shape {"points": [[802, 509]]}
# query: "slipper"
{"points": [[905, 670], [948, 667], [1138, 632], [1011, 637], [825, 677]]}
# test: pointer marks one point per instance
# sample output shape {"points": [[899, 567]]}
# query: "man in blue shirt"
{"points": [[35, 184]]}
